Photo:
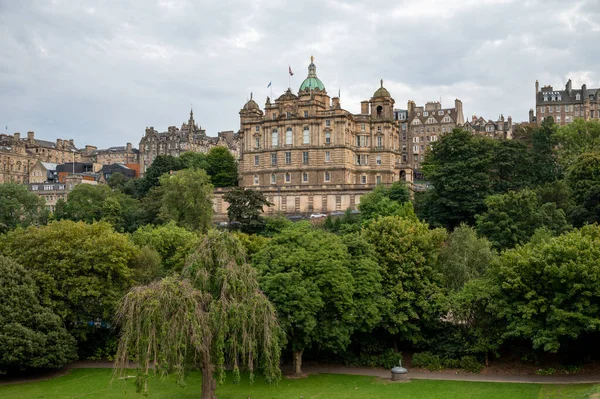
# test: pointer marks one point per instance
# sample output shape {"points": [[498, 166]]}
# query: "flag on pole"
{"points": [[290, 69], [269, 85]]}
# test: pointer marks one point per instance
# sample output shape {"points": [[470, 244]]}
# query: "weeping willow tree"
{"points": [[212, 316]]}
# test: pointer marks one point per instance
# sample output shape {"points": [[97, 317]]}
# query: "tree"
{"points": [[193, 160], [458, 167], [583, 179], [246, 207], [171, 242], [187, 199], [81, 270], [512, 218], [31, 335], [549, 290], [545, 164], [222, 167], [306, 274], [162, 164], [117, 181], [577, 138], [213, 315], [407, 254], [386, 201], [20, 208], [464, 257], [91, 203]]}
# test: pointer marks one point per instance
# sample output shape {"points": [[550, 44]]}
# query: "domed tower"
{"points": [[382, 104], [250, 109], [312, 86]]}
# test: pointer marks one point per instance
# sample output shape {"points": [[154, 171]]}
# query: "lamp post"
{"points": [[73, 151]]}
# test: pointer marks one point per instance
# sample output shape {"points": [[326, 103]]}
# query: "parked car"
{"points": [[318, 216], [336, 213]]}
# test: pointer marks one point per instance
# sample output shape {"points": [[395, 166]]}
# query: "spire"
{"points": [[381, 81], [250, 95]]}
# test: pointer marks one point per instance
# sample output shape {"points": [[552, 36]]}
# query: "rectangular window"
{"points": [[378, 179], [327, 137], [363, 179], [378, 159], [288, 177], [558, 119], [273, 159], [304, 177], [256, 180], [327, 122], [256, 160], [327, 176], [306, 135], [305, 157], [273, 178], [288, 136], [257, 129], [327, 156], [274, 138], [558, 108], [288, 115], [379, 142], [288, 157], [425, 113], [274, 116], [362, 127], [306, 114], [257, 142]]}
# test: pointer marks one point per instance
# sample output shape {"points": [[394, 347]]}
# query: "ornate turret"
{"points": [[251, 105], [312, 82], [382, 91]]}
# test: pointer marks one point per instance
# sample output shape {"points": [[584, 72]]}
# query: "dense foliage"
{"points": [[246, 208], [20, 208]]}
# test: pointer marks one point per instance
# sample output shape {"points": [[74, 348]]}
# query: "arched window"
{"points": [[274, 138], [379, 110], [327, 137]]}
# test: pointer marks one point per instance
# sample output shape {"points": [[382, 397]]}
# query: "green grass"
{"points": [[96, 384]]}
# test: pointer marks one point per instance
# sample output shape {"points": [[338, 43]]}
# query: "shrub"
{"points": [[432, 362]]}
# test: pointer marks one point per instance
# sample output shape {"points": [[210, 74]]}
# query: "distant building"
{"points": [[565, 105], [108, 170], [111, 155], [52, 192], [43, 172], [424, 125], [190, 137], [500, 129]]}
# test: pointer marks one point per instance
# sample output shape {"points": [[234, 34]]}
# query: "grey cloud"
{"points": [[100, 72]]}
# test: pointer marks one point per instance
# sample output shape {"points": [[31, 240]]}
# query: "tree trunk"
{"points": [[298, 363], [487, 361], [209, 385]]}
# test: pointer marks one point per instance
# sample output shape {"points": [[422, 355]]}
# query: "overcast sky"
{"points": [[101, 71]]}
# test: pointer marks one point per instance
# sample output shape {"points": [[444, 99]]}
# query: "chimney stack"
{"points": [[17, 136], [364, 107], [335, 101], [30, 136]]}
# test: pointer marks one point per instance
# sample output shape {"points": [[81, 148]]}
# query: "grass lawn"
{"points": [[95, 383]]}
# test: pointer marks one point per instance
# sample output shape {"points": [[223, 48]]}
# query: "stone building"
{"points": [[51, 192], [43, 172], [111, 155], [190, 137], [565, 105], [18, 155], [500, 129], [424, 125], [307, 154]]}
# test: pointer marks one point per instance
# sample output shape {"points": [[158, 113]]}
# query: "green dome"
{"points": [[381, 92], [312, 82]]}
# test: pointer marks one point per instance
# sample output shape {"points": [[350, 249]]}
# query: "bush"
{"points": [[470, 364], [432, 362], [388, 359], [427, 360]]}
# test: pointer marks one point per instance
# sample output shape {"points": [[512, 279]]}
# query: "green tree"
{"points": [[577, 138], [20, 208], [171, 242], [187, 199], [162, 164], [31, 335], [193, 160], [458, 167], [549, 290], [81, 270], [407, 254], [464, 257], [512, 218], [213, 315], [246, 207], [306, 273], [545, 166], [147, 266], [222, 167], [386, 201], [117, 181], [583, 179]]}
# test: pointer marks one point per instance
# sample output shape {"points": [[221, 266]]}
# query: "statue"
{"points": [[312, 59], [381, 81]]}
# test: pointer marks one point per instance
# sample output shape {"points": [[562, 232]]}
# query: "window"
{"points": [[256, 180], [567, 119], [327, 156], [327, 176], [257, 129], [256, 160], [327, 122], [274, 138], [288, 177], [558, 119], [558, 108], [257, 142], [362, 159], [542, 109], [378, 179], [440, 112], [379, 128], [577, 97], [362, 127], [550, 108], [288, 115], [288, 157], [404, 126], [416, 149], [431, 120], [306, 135], [306, 114], [304, 177], [421, 139], [274, 116], [288, 136], [273, 178], [446, 119], [363, 179], [378, 160], [545, 98], [305, 157], [327, 137], [379, 142], [273, 159]]}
